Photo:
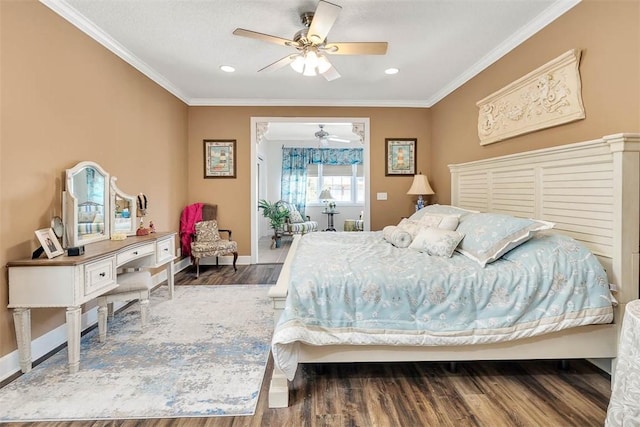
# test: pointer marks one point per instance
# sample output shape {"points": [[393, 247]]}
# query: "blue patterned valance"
{"points": [[300, 157], [336, 156]]}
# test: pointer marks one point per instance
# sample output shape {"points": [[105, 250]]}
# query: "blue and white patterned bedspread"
{"points": [[357, 288]]}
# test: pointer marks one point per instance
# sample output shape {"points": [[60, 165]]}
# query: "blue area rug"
{"points": [[203, 354]]}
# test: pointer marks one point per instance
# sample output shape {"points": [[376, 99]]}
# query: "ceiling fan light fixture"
{"points": [[323, 64], [309, 71], [298, 64]]}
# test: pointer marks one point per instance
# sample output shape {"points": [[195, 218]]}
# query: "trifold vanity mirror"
{"points": [[93, 207]]}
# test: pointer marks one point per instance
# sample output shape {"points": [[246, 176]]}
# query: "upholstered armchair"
{"points": [[295, 224], [207, 243]]}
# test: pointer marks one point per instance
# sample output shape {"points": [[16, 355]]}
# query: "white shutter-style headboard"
{"points": [[590, 190]]}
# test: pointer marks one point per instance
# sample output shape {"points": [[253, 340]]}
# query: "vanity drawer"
{"points": [[99, 274], [165, 250], [133, 253]]}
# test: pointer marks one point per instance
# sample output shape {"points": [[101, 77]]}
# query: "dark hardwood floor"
{"points": [[530, 393]]}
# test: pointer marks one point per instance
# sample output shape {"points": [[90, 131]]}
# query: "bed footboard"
{"points": [[279, 385]]}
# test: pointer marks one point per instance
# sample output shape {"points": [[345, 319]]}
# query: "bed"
{"points": [[588, 190]]}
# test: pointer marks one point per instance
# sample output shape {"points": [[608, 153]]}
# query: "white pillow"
{"points": [[396, 236], [437, 241], [488, 236], [442, 210], [447, 222]]}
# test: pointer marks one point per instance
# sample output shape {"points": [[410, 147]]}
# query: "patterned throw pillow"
{"points": [[437, 241], [396, 236], [488, 236], [410, 226], [295, 217]]}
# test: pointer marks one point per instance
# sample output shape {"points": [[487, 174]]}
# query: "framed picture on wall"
{"points": [[400, 156], [219, 158], [49, 242]]}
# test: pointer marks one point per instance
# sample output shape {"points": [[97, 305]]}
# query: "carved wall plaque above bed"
{"points": [[546, 97]]}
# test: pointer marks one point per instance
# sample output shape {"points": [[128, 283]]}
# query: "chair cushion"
{"points": [[218, 248], [302, 227]]}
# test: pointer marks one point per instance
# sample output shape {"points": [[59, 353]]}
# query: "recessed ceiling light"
{"points": [[391, 71], [227, 68]]}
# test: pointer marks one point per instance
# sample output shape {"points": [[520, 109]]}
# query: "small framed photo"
{"points": [[400, 156], [219, 158], [49, 242]]}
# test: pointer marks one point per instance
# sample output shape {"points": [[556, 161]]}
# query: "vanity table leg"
{"points": [[170, 277], [22, 322], [73, 338]]}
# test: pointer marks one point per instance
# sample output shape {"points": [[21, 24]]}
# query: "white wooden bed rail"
{"points": [[591, 190]]}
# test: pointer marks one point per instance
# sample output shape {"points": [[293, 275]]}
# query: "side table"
{"points": [[330, 215], [624, 406]]}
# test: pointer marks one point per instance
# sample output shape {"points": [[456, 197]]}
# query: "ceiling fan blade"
{"points": [[323, 19], [331, 74], [356, 48], [264, 37], [279, 63]]}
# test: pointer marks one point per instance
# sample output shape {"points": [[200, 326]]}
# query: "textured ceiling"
{"points": [[437, 45]]}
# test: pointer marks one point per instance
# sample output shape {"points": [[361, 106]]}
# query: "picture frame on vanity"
{"points": [[400, 156], [49, 242], [219, 158]]}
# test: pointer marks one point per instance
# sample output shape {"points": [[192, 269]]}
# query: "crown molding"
{"points": [[215, 102], [549, 15]]}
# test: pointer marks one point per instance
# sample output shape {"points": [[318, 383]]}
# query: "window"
{"points": [[346, 182]]}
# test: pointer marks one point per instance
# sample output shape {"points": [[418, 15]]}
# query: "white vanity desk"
{"points": [[69, 282]]}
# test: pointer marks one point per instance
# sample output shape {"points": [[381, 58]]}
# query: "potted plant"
{"points": [[277, 214]]}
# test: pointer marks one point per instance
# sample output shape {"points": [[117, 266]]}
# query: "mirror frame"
{"points": [[133, 209], [70, 207]]}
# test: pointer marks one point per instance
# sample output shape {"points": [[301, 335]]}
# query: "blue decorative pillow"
{"points": [[488, 236]]}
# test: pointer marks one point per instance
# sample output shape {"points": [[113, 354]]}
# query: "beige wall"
{"points": [[64, 99], [233, 196], [608, 32]]}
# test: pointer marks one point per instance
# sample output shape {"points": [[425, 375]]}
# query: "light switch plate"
{"points": [[381, 196]]}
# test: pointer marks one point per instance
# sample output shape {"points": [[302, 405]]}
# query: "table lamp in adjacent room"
{"points": [[325, 196], [420, 186]]}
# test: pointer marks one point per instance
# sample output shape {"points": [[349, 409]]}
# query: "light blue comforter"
{"points": [[357, 288]]}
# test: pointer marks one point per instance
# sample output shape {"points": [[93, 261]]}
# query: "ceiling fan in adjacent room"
{"points": [[312, 45], [325, 137]]}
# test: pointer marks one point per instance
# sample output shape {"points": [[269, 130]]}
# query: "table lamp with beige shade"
{"points": [[420, 186]]}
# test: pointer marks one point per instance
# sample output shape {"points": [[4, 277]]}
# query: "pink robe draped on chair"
{"points": [[190, 215]]}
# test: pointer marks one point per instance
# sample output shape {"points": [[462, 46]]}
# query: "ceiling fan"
{"points": [[324, 137], [312, 45]]}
